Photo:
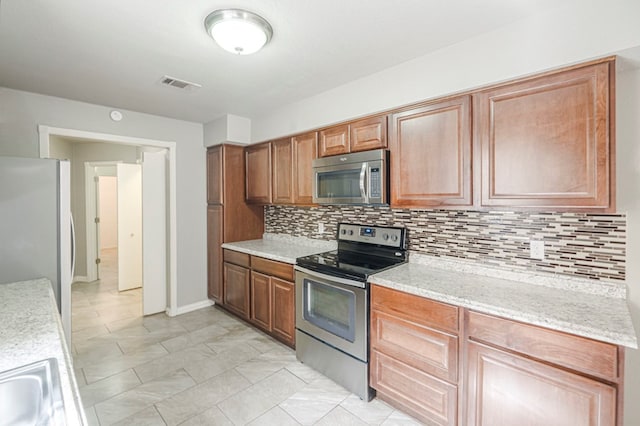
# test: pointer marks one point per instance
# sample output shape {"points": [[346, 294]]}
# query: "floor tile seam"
{"points": [[127, 368], [159, 413], [248, 379], [249, 420], [364, 420], [337, 404], [114, 374]]}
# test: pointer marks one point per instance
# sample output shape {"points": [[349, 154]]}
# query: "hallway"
{"points": [[200, 368]]}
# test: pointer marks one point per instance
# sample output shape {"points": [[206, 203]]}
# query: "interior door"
{"points": [[129, 177], [154, 232]]}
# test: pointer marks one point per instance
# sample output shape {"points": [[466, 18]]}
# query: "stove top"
{"points": [[362, 251]]}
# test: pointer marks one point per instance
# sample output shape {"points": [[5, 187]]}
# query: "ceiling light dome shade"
{"points": [[238, 31]]}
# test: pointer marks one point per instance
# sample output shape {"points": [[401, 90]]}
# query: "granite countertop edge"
{"points": [[281, 247], [550, 309], [31, 331]]}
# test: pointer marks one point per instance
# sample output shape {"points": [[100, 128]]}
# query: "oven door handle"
{"points": [[331, 278]]}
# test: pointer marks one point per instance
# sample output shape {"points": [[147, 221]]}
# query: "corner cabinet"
{"points": [[548, 142], [229, 218], [431, 153], [262, 292], [447, 365], [236, 283]]}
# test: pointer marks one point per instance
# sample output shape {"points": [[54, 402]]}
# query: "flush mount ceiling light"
{"points": [[238, 31]]}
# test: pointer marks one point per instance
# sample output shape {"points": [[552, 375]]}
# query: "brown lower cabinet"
{"points": [[414, 354], [262, 292], [236, 289], [490, 370]]}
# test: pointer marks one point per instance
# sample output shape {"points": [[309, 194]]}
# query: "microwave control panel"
{"points": [[374, 182]]}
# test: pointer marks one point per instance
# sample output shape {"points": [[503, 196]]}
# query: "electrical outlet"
{"points": [[320, 228], [536, 249]]}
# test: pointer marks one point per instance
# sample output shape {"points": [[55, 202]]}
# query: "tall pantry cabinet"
{"points": [[229, 218]]}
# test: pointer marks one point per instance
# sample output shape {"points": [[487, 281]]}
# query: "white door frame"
{"points": [[45, 132]]}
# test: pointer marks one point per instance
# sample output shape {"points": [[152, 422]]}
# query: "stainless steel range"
{"points": [[332, 302]]}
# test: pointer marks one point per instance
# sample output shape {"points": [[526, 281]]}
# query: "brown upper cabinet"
{"points": [[283, 174], [362, 135], [283, 171], [305, 150], [548, 142], [430, 149], [544, 142], [258, 173], [214, 176], [334, 141]]}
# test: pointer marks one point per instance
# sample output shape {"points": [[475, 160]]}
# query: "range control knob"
{"points": [[350, 231], [394, 238], [385, 237], [343, 231]]}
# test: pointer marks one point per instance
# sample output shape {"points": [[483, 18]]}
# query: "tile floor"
{"points": [[200, 368]]}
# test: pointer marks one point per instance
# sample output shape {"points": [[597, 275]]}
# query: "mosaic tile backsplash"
{"points": [[581, 245]]}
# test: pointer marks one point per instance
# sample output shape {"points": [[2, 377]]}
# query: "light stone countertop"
{"points": [[30, 331], [586, 314], [281, 247]]}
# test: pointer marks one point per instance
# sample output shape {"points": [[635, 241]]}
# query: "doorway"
{"points": [[113, 194], [160, 182]]}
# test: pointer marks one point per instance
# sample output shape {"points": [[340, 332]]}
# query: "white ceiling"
{"points": [[114, 52]]}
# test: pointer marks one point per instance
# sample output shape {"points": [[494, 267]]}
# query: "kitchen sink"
{"points": [[31, 395]]}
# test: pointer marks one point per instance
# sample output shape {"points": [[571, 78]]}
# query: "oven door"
{"points": [[333, 310]]}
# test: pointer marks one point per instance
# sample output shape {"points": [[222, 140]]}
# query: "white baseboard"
{"points": [[80, 279], [190, 308]]}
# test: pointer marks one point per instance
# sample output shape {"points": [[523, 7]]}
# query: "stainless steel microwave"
{"points": [[357, 178]]}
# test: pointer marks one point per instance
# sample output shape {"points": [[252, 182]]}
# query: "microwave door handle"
{"points": [[363, 181]]}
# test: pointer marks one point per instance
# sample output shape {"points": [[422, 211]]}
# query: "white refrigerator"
{"points": [[36, 230]]}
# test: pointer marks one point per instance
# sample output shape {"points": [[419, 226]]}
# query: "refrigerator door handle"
{"points": [[73, 247]]}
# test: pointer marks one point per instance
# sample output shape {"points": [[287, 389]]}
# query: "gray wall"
{"points": [[22, 112]]}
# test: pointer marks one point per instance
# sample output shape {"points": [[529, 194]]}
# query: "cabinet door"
{"points": [[261, 300], [214, 252], [214, 175], [367, 134], [305, 150], [423, 348], [431, 155], [334, 141], [283, 171], [284, 310], [258, 169], [547, 141], [433, 401], [236, 289], [506, 390]]}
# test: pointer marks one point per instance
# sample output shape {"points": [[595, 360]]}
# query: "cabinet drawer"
{"points": [[272, 267], [415, 308], [578, 353], [430, 400], [237, 258], [423, 348]]}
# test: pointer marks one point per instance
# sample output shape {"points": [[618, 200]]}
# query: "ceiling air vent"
{"points": [[179, 84]]}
